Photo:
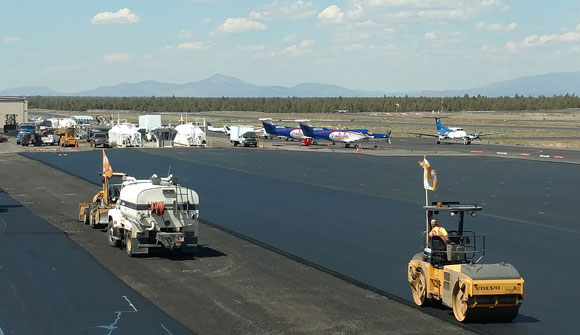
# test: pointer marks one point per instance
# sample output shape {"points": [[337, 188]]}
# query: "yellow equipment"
{"points": [[96, 212], [68, 137], [449, 271]]}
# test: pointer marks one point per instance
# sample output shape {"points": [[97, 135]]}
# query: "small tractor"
{"points": [[68, 137], [451, 273], [96, 212]]}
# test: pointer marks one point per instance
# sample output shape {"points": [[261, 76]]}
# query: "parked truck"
{"points": [[28, 134], [243, 135], [154, 213]]}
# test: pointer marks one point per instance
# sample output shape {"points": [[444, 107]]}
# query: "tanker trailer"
{"points": [[154, 213]]}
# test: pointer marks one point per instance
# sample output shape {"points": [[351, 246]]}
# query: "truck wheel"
{"points": [[113, 242], [419, 289], [128, 244]]}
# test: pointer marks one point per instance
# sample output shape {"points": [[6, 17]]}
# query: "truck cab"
{"points": [[25, 129]]}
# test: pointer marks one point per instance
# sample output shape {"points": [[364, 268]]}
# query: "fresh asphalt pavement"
{"points": [[361, 215], [49, 285]]}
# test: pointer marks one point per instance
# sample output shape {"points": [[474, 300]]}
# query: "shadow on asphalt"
{"points": [[201, 252]]}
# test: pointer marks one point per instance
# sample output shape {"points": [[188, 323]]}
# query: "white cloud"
{"points": [[11, 39], [430, 36], [434, 10], [117, 58], [185, 34], [511, 47], [306, 43], [298, 50], [296, 10], [452, 14], [331, 14], [122, 16], [540, 40], [290, 38], [496, 26], [239, 25], [193, 46], [355, 11], [488, 49]]}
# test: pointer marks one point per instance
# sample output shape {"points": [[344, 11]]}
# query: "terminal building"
{"points": [[13, 111]]}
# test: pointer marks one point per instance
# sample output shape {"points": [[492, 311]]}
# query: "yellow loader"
{"points": [[96, 212]]}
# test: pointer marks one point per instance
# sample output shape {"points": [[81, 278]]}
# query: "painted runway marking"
{"points": [[113, 326], [165, 328], [3, 226]]}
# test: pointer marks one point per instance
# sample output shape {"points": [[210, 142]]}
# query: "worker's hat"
{"points": [[434, 221]]}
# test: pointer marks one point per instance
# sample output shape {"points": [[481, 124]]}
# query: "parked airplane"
{"points": [[225, 129], [346, 136], [452, 133], [282, 131]]}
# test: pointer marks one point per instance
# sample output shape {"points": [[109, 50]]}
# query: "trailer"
{"points": [[154, 213]]}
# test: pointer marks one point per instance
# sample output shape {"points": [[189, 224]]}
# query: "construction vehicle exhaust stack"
{"points": [[448, 270]]}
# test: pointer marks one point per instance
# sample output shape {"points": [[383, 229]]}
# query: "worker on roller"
{"points": [[437, 230]]}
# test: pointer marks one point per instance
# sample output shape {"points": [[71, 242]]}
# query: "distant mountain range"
{"points": [[219, 85]]}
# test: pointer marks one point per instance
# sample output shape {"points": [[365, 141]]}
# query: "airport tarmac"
{"points": [[360, 215], [232, 286], [49, 285]]}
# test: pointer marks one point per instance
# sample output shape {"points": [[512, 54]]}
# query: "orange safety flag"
{"points": [[429, 176], [107, 170]]}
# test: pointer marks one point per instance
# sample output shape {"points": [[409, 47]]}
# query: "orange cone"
{"points": [[359, 149]]}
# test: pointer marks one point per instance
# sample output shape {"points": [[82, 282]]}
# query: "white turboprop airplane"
{"points": [[225, 129], [452, 133]]}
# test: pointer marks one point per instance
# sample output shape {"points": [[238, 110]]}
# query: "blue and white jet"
{"points": [[346, 136], [282, 131], [452, 133]]}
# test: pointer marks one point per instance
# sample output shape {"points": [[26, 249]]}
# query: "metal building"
{"points": [[13, 110]]}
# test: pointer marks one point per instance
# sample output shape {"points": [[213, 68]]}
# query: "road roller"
{"points": [[449, 270]]}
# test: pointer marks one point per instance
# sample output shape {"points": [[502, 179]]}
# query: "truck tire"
{"points": [[128, 244], [113, 242]]}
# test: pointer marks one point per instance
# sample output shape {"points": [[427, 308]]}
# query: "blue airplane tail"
{"points": [[440, 128], [269, 128], [307, 129]]}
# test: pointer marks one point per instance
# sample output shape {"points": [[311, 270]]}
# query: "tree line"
{"points": [[386, 104]]}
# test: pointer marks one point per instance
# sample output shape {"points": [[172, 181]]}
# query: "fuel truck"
{"points": [[154, 213]]}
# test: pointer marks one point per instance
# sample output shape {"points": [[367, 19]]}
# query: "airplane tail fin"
{"points": [[306, 128], [269, 126], [439, 125]]}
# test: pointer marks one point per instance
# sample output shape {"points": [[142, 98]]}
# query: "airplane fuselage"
{"points": [[344, 136]]}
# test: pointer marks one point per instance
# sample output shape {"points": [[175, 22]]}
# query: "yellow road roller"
{"points": [[448, 271]]}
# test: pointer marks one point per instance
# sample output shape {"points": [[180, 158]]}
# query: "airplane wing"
{"points": [[476, 135], [423, 134]]}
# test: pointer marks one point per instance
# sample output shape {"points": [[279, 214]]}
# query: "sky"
{"points": [[379, 45]]}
